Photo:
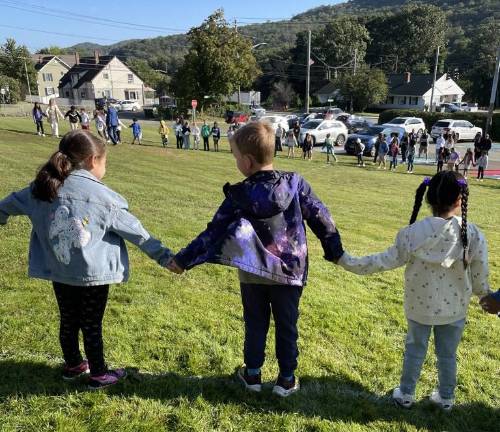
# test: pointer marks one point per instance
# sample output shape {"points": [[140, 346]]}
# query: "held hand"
{"points": [[174, 267], [490, 304]]}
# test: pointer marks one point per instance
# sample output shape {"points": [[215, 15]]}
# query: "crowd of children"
{"points": [[80, 248]]}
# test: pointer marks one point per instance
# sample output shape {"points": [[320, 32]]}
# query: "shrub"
{"points": [[429, 118]]}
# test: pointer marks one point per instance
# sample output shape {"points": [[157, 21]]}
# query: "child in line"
{"points": [[216, 136], [77, 243], [359, 148], [186, 134], [307, 147], [383, 149], [291, 143], [329, 143], [205, 134], [53, 114], [260, 229], [38, 115], [482, 165], [85, 119], [467, 161], [440, 159], [136, 131], [410, 156], [394, 151], [74, 117], [446, 260], [100, 123], [453, 160], [163, 131], [196, 136]]}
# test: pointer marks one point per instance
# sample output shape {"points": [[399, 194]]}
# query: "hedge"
{"points": [[429, 118]]}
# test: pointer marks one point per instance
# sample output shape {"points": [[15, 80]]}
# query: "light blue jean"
{"points": [[446, 340]]}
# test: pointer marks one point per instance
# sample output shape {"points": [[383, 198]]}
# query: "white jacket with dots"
{"points": [[437, 286]]}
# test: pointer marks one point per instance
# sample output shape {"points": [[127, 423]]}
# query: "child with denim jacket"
{"points": [[446, 260], [260, 230], [77, 243]]}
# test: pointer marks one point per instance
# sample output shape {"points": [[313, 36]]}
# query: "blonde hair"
{"points": [[256, 139]]}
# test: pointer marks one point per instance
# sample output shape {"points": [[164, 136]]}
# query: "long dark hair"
{"points": [[444, 190], [75, 148]]}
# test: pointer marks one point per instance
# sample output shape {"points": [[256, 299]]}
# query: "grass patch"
{"points": [[182, 337]]}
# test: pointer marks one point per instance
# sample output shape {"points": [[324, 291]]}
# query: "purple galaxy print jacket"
{"points": [[259, 228]]}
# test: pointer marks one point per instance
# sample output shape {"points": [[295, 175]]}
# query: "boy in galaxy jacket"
{"points": [[259, 229]]}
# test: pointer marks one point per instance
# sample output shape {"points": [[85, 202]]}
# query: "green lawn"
{"points": [[182, 336]]}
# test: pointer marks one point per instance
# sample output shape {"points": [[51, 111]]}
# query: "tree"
{"points": [[13, 58], [339, 40], [53, 50], [367, 87], [159, 81], [219, 60], [282, 94], [11, 88]]}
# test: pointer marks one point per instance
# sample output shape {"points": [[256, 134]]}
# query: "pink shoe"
{"points": [[109, 378], [70, 374]]}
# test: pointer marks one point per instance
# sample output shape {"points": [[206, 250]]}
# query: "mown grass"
{"points": [[182, 336]]}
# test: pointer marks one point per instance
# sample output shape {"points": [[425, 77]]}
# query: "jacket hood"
{"points": [[264, 194], [436, 240]]}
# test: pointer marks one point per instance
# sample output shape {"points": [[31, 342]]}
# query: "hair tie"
{"points": [[427, 181], [462, 182]]}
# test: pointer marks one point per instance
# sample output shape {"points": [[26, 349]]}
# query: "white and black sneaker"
{"points": [[401, 399], [445, 404], [285, 388], [251, 382]]}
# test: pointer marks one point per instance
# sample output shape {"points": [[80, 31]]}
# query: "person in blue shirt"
{"points": [[78, 243], [112, 123], [136, 131]]}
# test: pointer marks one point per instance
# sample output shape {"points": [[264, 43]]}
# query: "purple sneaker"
{"points": [[72, 373], [107, 379]]}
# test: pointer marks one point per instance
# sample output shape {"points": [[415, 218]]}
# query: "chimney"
{"points": [[40, 59], [77, 58], [407, 76], [96, 56]]}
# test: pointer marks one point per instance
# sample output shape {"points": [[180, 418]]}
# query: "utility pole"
{"points": [[308, 79], [493, 95], [396, 64], [355, 66], [431, 109], [28, 80], [238, 57]]}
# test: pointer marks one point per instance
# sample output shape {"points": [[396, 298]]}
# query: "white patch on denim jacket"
{"points": [[69, 232]]}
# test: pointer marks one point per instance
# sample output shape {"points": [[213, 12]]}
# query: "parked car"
{"points": [[276, 120], [129, 105], [334, 112], [408, 123], [449, 107], [258, 111], [368, 137], [236, 117], [466, 106], [291, 120], [464, 129], [354, 123], [101, 102], [318, 128]]}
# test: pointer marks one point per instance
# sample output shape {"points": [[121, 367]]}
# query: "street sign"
{"points": [[194, 103]]}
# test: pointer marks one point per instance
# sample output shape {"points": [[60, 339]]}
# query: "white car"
{"points": [[407, 123], [129, 105], [464, 129], [258, 111], [319, 128], [275, 120]]}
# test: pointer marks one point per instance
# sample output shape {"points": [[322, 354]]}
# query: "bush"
{"points": [[476, 118]]}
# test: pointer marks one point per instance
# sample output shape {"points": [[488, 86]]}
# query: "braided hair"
{"points": [[443, 191]]}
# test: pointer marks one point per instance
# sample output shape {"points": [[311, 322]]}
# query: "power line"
{"points": [[57, 33]]}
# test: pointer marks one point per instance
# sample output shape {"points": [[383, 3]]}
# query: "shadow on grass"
{"points": [[334, 398]]}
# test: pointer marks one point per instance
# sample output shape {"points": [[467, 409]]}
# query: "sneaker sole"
{"points": [[281, 392], [92, 388], [256, 388], [74, 378], [402, 405]]}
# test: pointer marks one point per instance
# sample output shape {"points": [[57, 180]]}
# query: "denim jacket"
{"points": [[78, 239], [259, 228]]}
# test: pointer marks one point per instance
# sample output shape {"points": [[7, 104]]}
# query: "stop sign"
{"points": [[194, 103]]}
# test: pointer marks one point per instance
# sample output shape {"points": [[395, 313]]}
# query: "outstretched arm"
{"points": [[16, 204], [392, 258]]}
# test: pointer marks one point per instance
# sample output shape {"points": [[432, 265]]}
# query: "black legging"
{"points": [[179, 141], [39, 126], [82, 308], [206, 145]]}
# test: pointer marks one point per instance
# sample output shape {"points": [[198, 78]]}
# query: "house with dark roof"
{"points": [[100, 76], [50, 69], [407, 91]]}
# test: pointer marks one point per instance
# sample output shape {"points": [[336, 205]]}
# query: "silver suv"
{"points": [[318, 129]]}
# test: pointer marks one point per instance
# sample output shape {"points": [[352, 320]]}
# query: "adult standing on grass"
{"points": [[216, 136], [424, 145], [329, 146], [54, 114], [410, 156], [378, 141], [186, 134], [77, 243], [112, 122], [74, 117], [296, 130], [440, 142], [178, 133], [486, 144], [205, 134], [38, 115], [477, 145], [446, 260], [307, 147], [383, 149], [278, 139], [403, 146]]}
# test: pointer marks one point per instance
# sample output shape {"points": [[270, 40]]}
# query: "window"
{"points": [[49, 91], [414, 100], [47, 77], [105, 75], [66, 93], [83, 94], [106, 93], [390, 100], [130, 78], [131, 94], [402, 100]]}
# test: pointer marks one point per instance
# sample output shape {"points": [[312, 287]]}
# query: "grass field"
{"points": [[181, 337]]}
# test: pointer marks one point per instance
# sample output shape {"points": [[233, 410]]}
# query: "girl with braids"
{"points": [[77, 243], [446, 261]]}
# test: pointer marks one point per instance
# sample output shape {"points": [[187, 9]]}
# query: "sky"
{"points": [[65, 23]]}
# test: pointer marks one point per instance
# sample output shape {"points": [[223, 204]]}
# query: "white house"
{"points": [[50, 69], [97, 77], [414, 91]]}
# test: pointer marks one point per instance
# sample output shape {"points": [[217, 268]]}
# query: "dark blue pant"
{"points": [[258, 303], [112, 134]]}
